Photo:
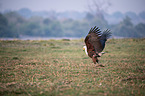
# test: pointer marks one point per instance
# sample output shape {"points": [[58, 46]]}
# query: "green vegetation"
{"points": [[14, 25], [60, 67]]}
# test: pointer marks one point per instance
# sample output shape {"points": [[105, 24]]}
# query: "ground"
{"points": [[61, 67]]}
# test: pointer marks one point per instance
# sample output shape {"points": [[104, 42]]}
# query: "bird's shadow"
{"points": [[99, 65]]}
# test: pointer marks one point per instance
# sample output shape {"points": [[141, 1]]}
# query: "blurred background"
{"points": [[71, 18]]}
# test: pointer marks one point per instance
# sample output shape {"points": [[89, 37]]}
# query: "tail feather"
{"points": [[100, 54]]}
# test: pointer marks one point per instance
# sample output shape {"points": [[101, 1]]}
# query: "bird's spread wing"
{"points": [[98, 39], [94, 38], [104, 36]]}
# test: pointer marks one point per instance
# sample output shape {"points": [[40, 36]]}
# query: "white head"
{"points": [[85, 49]]}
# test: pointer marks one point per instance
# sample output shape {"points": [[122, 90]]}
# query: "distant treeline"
{"points": [[12, 24]]}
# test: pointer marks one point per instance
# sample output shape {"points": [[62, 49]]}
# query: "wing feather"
{"points": [[105, 35], [97, 39]]}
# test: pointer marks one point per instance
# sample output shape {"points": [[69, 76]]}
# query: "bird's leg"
{"points": [[98, 64], [94, 59]]}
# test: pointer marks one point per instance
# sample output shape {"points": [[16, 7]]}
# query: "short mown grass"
{"points": [[61, 67]]}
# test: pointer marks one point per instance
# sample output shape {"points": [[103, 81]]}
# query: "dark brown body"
{"points": [[91, 50]]}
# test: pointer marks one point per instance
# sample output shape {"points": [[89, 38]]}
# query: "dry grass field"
{"points": [[61, 68]]}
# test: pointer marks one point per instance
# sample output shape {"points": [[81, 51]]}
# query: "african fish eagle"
{"points": [[95, 43]]}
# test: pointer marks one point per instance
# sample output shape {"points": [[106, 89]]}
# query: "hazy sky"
{"points": [[76, 5]]}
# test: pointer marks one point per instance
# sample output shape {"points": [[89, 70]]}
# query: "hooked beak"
{"points": [[83, 49]]}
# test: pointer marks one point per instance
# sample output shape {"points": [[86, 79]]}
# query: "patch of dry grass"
{"points": [[60, 67]]}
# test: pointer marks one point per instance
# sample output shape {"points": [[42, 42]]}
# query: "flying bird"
{"points": [[95, 43]]}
